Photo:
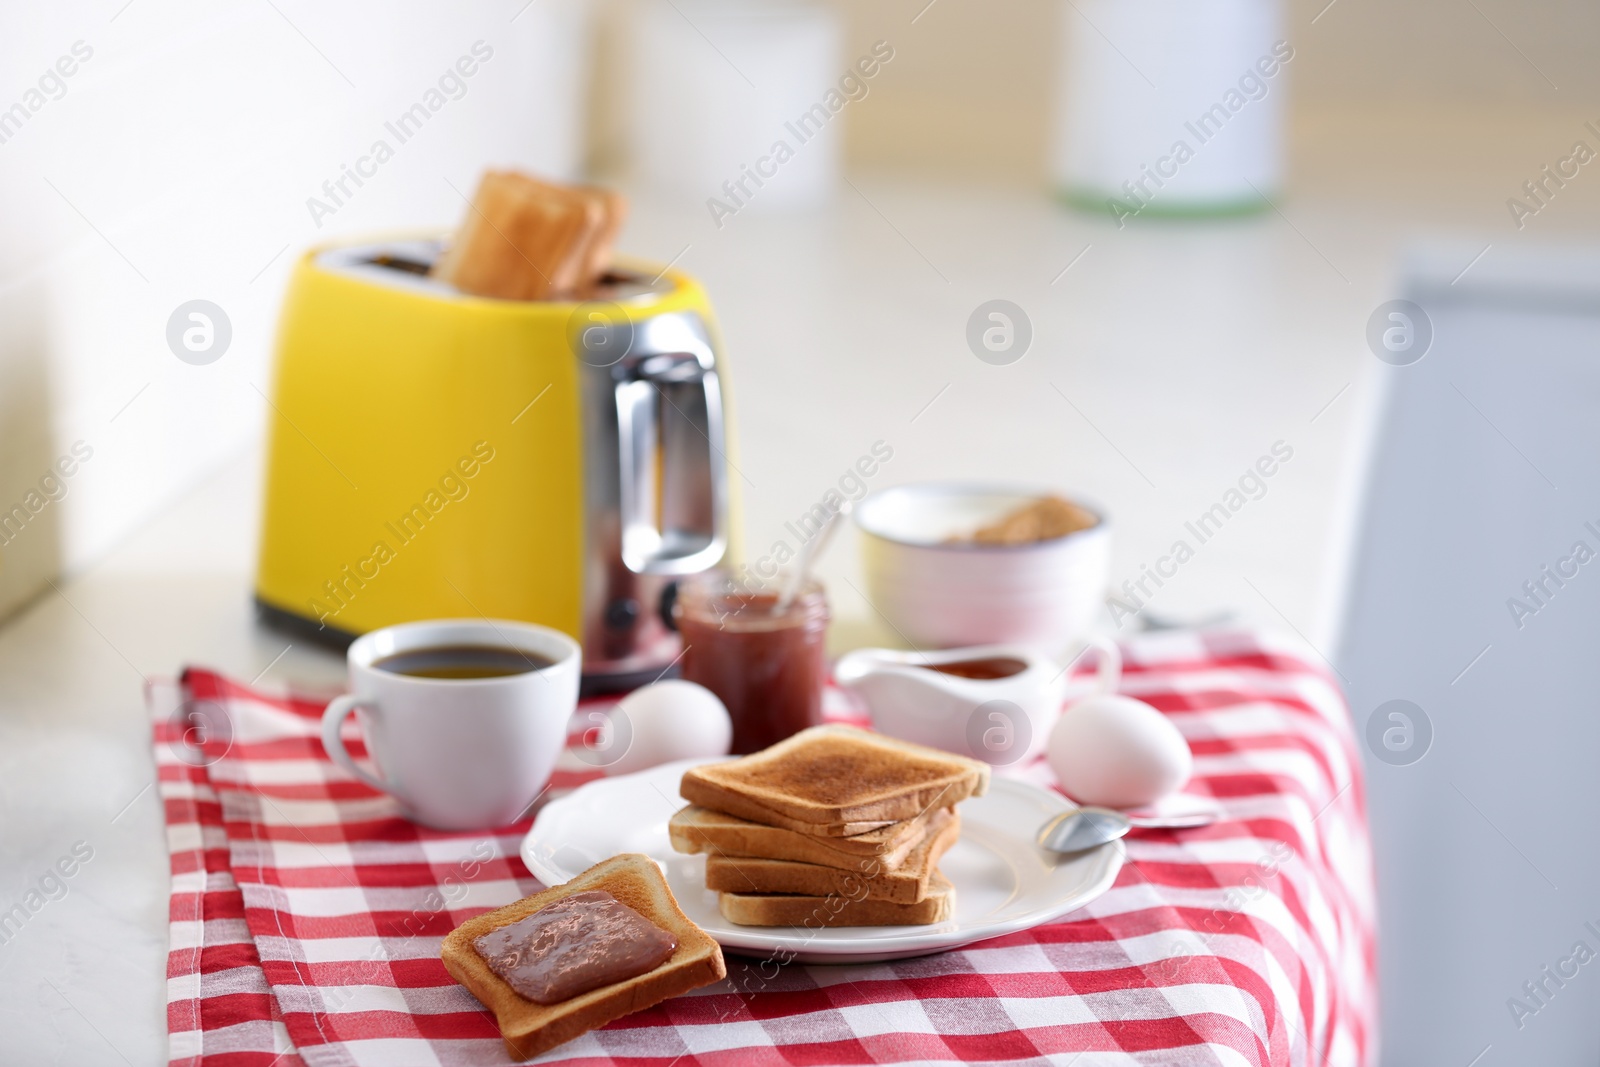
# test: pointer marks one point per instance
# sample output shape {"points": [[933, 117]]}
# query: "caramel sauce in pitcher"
{"points": [[984, 669]]}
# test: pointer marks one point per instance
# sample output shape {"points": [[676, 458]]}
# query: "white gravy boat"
{"points": [[995, 703]]}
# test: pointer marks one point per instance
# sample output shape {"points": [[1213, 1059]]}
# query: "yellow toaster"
{"points": [[437, 455]]}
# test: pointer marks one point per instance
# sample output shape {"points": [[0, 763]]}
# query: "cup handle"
{"points": [[1108, 669], [332, 721]]}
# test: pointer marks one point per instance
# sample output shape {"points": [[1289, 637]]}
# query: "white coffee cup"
{"points": [[458, 753]]}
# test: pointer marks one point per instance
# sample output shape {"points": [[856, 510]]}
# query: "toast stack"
{"points": [[833, 827]]}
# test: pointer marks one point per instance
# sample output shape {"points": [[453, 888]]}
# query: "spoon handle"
{"points": [[1174, 822], [810, 552]]}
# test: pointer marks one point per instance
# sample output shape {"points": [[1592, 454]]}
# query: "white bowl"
{"points": [[940, 595]]}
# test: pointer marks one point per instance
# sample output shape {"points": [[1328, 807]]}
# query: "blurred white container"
{"points": [[715, 85], [1139, 78], [937, 594]]}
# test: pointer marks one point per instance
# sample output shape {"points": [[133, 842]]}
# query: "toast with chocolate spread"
{"points": [[560, 963]]}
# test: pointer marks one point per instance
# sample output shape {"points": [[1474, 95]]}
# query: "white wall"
{"points": [[175, 163]]}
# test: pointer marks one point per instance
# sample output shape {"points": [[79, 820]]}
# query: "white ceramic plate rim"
{"points": [[864, 941]]}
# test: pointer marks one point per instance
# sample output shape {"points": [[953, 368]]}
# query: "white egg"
{"points": [[668, 721], [1118, 752]]}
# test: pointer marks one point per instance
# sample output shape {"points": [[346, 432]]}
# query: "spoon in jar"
{"points": [[1090, 826], [810, 552]]}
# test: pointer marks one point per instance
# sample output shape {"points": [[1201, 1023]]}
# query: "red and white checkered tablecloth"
{"points": [[306, 913]]}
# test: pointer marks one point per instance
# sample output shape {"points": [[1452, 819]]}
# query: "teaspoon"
{"points": [[1089, 826]]}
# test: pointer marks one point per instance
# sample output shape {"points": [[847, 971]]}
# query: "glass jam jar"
{"points": [[768, 667]]}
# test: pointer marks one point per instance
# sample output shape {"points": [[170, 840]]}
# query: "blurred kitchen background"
{"points": [[178, 161], [196, 148]]}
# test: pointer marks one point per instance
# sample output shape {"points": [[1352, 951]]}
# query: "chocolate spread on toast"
{"points": [[574, 945]]}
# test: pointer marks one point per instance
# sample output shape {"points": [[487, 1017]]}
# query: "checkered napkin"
{"points": [[306, 913]]}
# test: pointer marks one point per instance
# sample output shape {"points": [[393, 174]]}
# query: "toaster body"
{"points": [[436, 455]]}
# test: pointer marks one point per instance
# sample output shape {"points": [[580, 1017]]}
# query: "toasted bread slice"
{"points": [[815, 912], [737, 805], [832, 775], [697, 829], [530, 1028], [521, 239], [906, 884], [571, 270], [602, 239]]}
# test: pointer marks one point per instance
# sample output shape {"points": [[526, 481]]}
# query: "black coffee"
{"points": [[463, 661]]}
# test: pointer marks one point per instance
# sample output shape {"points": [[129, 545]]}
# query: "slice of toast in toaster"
{"points": [[530, 1028], [521, 239], [827, 777], [602, 239]]}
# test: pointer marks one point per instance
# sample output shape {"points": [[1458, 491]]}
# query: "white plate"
{"points": [[1003, 881]]}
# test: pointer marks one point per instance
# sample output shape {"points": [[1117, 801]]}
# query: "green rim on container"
{"points": [[1096, 202]]}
